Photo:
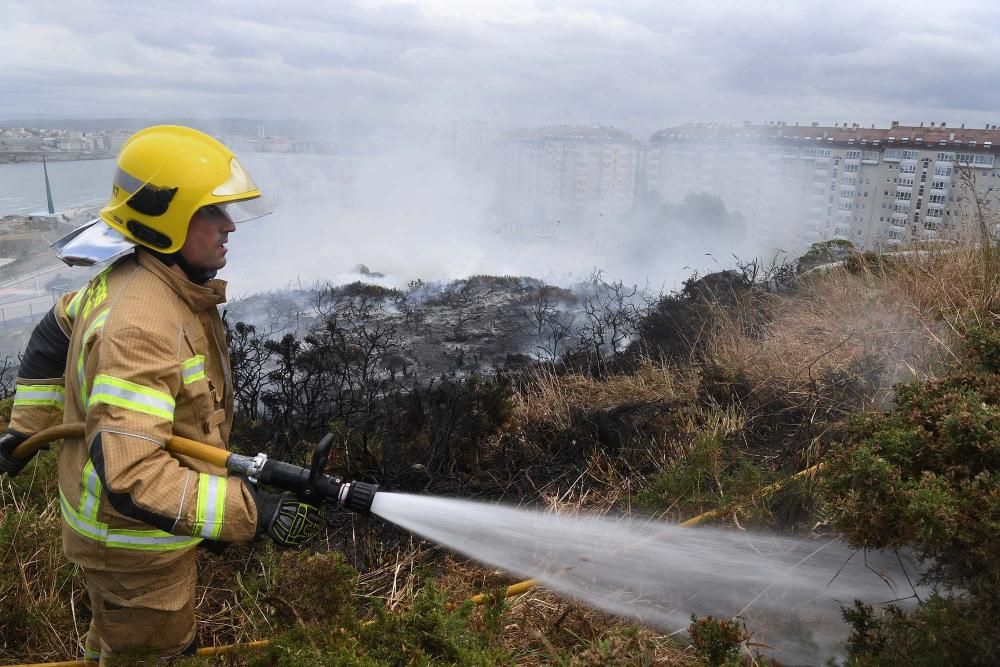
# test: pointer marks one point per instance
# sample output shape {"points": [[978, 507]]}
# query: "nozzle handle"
{"points": [[321, 454]]}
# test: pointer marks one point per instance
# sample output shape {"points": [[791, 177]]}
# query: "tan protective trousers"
{"points": [[146, 613]]}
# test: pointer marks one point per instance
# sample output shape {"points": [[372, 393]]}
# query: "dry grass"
{"points": [[849, 334], [540, 626], [43, 602], [553, 398]]}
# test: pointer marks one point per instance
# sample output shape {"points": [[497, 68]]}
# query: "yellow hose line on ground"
{"points": [[515, 589], [525, 586], [760, 493], [206, 650]]}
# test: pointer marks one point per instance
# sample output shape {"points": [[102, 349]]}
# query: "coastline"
{"points": [[18, 157]]}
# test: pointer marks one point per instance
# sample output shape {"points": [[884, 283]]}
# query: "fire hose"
{"points": [[310, 485]]}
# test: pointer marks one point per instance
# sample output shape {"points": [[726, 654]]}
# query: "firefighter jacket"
{"points": [[147, 359]]}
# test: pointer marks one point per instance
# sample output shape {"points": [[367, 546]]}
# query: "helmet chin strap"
{"points": [[194, 274]]}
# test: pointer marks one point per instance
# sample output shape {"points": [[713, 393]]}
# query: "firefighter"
{"points": [[139, 354]]}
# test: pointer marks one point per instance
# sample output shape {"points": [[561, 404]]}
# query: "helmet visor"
{"points": [[238, 183], [243, 210]]}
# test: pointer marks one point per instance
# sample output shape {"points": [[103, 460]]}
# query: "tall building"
{"points": [[469, 142], [567, 182], [874, 187]]}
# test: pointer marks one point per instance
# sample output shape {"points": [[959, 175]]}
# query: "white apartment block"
{"points": [[469, 141], [874, 187], [567, 182]]}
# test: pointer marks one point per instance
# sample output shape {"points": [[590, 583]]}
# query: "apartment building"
{"points": [[567, 182], [469, 143], [799, 184]]}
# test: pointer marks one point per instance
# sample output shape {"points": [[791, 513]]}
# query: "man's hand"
{"points": [[287, 521], [9, 463]]}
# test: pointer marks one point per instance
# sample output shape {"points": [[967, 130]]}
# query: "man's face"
{"points": [[207, 235]]}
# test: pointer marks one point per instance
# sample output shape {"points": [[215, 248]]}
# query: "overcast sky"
{"points": [[634, 64]]}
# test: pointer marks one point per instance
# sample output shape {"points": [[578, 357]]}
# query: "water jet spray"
{"points": [[788, 590]]}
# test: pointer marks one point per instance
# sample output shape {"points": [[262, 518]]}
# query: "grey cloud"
{"points": [[586, 61]]}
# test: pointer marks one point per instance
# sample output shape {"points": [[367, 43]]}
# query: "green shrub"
{"points": [[942, 631], [713, 475], [984, 345], [717, 641], [927, 474], [313, 588], [427, 633], [825, 252]]}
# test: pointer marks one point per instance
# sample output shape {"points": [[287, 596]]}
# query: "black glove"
{"points": [[9, 463], [286, 520]]}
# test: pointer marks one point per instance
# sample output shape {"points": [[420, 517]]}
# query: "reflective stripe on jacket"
{"points": [[147, 359], [38, 402]]}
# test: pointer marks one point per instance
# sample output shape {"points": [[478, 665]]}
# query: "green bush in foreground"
{"points": [[941, 631], [319, 625], [717, 641], [927, 474]]}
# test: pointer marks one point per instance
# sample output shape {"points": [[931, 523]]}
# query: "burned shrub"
{"points": [[441, 428], [781, 417], [678, 326]]}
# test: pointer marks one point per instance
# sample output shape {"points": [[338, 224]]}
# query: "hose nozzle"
{"points": [[358, 496]]}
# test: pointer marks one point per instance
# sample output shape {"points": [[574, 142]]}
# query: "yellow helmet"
{"points": [[164, 174]]}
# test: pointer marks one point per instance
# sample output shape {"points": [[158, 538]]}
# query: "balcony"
{"points": [[901, 217], [931, 221]]}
